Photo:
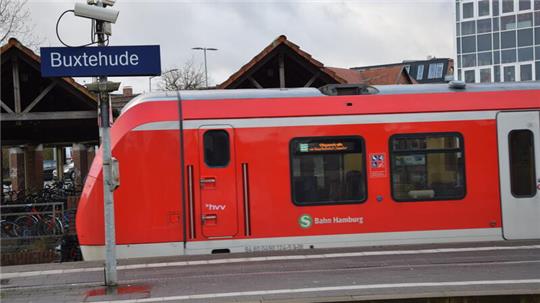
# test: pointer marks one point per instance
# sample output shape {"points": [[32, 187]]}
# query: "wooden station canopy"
{"points": [[283, 64], [37, 110]]}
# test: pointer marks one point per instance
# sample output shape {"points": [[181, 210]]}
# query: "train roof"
{"points": [[238, 94]]}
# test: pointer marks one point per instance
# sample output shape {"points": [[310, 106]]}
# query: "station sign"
{"points": [[138, 60]]}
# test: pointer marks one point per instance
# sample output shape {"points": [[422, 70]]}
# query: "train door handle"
{"points": [[205, 218], [208, 182]]}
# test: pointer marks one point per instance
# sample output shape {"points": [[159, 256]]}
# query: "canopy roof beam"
{"points": [[315, 76], [64, 115], [16, 84], [39, 97], [5, 107], [254, 82]]}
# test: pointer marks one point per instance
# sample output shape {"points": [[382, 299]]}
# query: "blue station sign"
{"points": [[139, 60]]}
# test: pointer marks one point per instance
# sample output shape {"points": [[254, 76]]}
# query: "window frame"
{"points": [[511, 164], [421, 135], [474, 13], [326, 203], [420, 72], [205, 159]]}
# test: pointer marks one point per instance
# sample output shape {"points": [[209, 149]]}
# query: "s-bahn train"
{"points": [[252, 170]]}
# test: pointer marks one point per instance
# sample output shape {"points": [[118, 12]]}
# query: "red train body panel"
{"points": [[171, 202]]}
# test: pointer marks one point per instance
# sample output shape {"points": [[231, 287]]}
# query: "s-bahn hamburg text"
{"points": [[216, 171], [99, 59]]}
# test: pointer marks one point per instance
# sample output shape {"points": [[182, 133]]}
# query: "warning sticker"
{"points": [[377, 165]]}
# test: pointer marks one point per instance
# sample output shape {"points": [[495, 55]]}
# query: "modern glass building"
{"points": [[498, 40]]}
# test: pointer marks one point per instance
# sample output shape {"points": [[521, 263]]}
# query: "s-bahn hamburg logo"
{"points": [[305, 221]]}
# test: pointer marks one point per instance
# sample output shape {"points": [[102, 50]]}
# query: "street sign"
{"points": [[138, 60]]}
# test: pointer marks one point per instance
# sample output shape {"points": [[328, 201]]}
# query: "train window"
{"points": [[427, 167], [327, 170], [216, 148], [522, 166]]}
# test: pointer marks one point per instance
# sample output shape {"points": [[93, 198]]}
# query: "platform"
{"points": [[329, 275]]}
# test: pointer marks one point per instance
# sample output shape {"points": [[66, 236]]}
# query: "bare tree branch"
{"points": [[15, 22], [189, 76]]}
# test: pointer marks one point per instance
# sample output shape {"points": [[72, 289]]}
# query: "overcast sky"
{"points": [[337, 33]]}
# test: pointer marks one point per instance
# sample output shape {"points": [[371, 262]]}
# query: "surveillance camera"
{"points": [[108, 2], [95, 12], [104, 2]]}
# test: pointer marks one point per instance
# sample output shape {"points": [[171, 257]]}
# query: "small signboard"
{"points": [[139, 60], [377, 165]]}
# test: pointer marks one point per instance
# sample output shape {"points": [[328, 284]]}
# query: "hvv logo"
{"points": [[215, 206]]}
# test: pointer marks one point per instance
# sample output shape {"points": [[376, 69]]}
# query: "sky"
{"points": [[336, 33]]}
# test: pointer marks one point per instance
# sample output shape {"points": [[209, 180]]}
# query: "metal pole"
{"points": [[205, 69], [110, 236], [150, 84]]}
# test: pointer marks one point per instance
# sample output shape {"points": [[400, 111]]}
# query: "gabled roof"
{"points": [[279, 41], [15, 44], [386, 75]]}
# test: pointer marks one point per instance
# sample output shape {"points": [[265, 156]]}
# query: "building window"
{"points": [[496, 44], [509, 73], [427, 167], [470, 76], [508, 39], [495, 24], [328, 170], [420, 72], [484, 58], [508, 22], [525, 37], [495, 6], [507, 6], [435, 70], [525, 72], [497, 73], [216, 148], [525, 54], [468, 28], [484, 42], [524, 20], [524, 5], [508, 56], [537, 18], [483, 26], [496, 57], [485, 75], [469, 60], [537, 68], [537, 37], [522, 163], [468, 10], [483, 8], [468, 44]]}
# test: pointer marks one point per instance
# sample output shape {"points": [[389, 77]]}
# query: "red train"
{"points": [[251, 170]]}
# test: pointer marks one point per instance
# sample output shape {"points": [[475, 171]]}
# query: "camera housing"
{"points": [[104, 2], [96, 13]]}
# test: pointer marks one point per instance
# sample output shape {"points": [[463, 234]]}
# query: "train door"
{"points": [[519, 145], [217, 182]]}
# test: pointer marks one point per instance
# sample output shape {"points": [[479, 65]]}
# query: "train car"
{"points": [[216, 171]]}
